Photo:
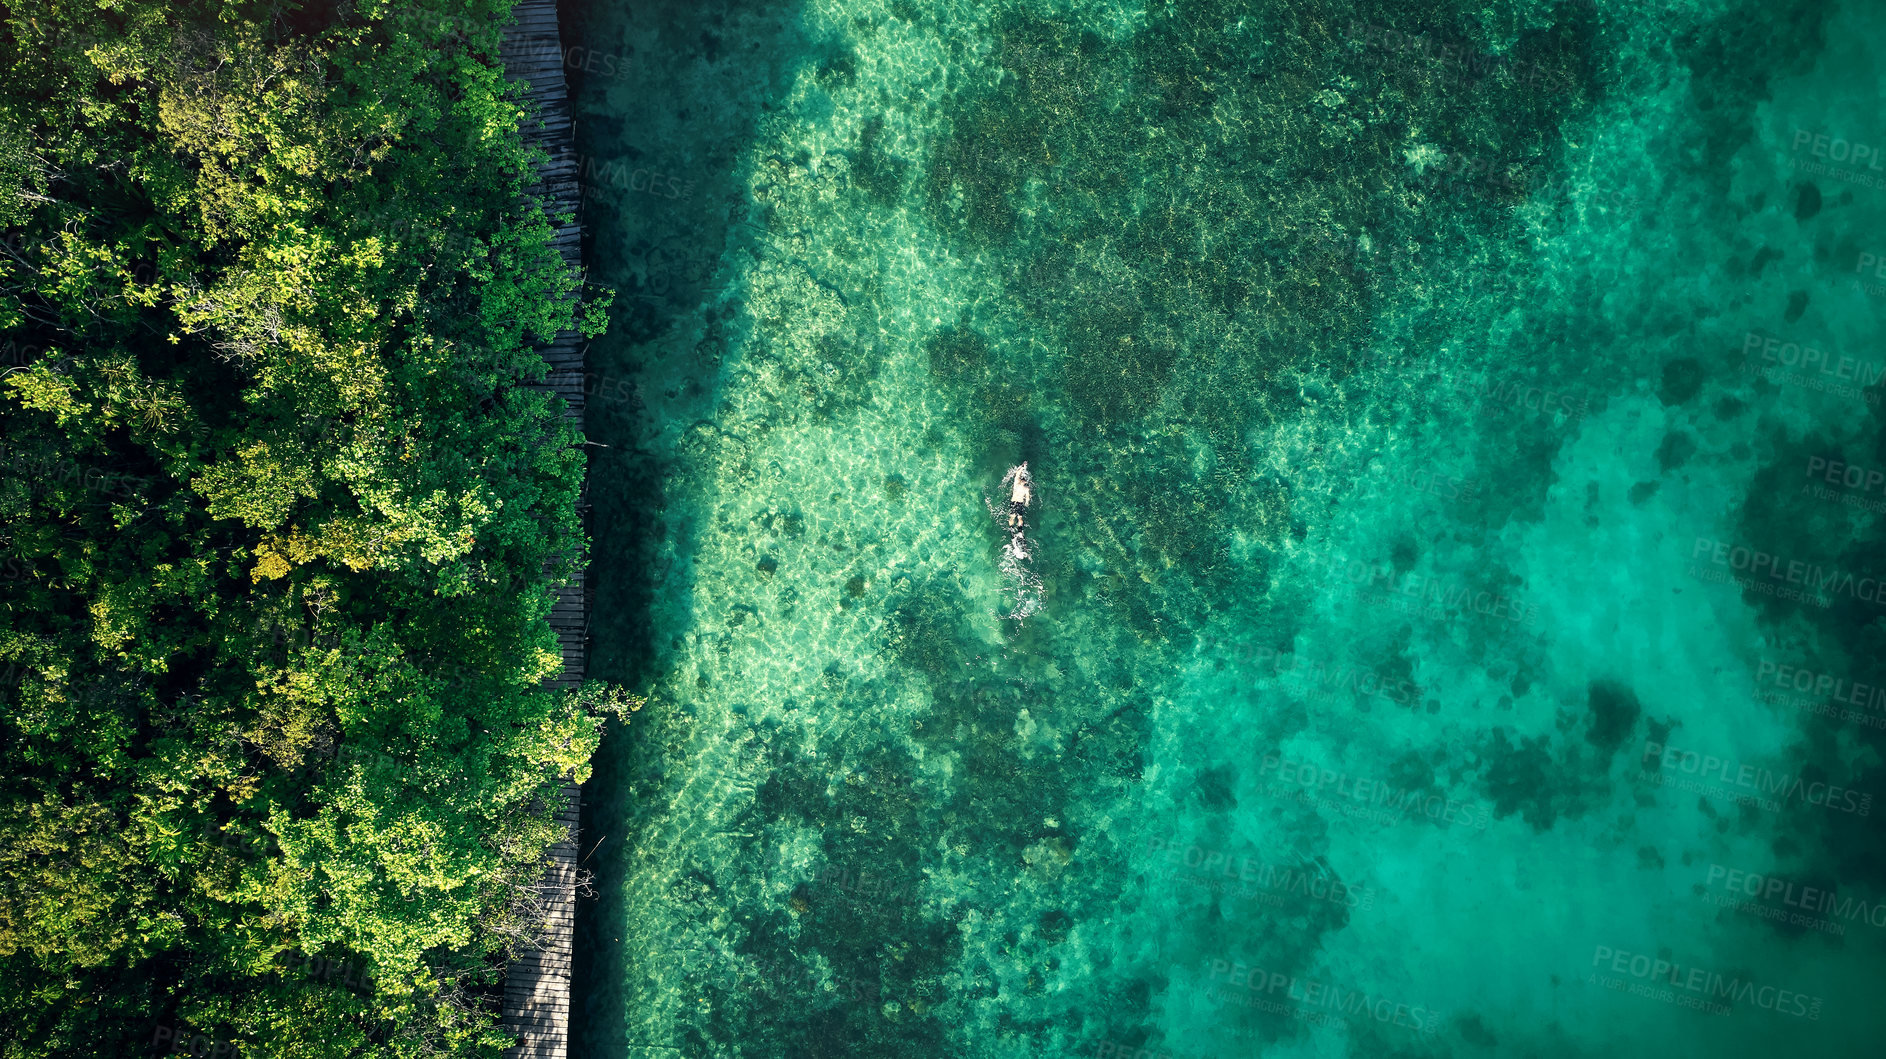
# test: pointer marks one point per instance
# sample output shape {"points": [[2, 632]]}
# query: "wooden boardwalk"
{"points": [[537, 987]]}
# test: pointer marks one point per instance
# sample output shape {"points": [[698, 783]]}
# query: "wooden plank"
{"points": [[537, 986]]}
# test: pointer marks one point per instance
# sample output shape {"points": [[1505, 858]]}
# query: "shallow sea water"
{"points": [[1458, 453]]}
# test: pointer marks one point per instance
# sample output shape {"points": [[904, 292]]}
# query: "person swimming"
{"points": [[1020, 580], [1019, 497]]}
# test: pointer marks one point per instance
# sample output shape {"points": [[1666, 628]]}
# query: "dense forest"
{"points": [[280, 521]]}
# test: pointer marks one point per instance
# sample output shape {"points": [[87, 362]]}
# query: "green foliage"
{"points": [[274, 633]]}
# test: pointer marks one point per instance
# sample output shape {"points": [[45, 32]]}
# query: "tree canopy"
{"points": [[280, 523]]}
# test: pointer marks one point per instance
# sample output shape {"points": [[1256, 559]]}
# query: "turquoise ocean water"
{"points": [[1458, 449]]}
